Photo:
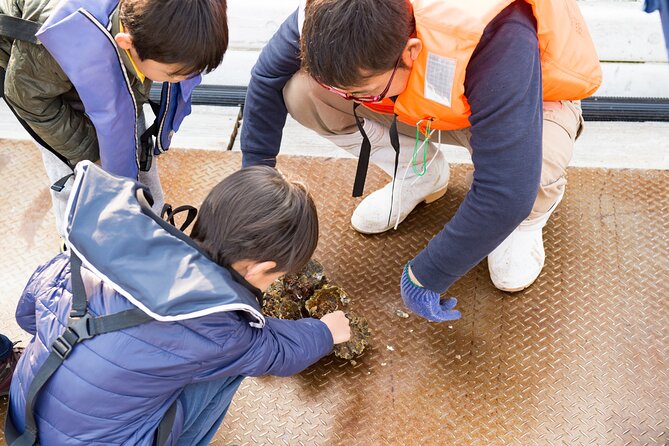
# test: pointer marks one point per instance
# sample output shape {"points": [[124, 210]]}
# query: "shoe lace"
{"points": [[411, 165]]}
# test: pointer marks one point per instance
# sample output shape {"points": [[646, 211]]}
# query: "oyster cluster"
{"points": [[309, 294]]}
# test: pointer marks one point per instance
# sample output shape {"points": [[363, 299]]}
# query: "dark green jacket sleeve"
{"points": [[36, 88]]}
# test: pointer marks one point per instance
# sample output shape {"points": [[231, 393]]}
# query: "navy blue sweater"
{"points": [[503, 87]]}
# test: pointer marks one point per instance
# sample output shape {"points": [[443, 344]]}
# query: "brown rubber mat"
{"points": [[580, 358]]}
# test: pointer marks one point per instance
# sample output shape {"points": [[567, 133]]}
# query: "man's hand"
{"points": [[424, 302], [338, 325]]}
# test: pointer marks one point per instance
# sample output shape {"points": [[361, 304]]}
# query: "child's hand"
{"points": [[338, 325]]}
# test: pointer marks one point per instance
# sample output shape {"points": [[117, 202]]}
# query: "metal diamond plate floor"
{"points": [[580, 358]]}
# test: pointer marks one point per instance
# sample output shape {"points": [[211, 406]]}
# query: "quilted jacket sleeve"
{"points": [[281, 348], [44, 276]]}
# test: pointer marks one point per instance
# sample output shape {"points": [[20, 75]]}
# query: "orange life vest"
{"points": [[450, 30]]}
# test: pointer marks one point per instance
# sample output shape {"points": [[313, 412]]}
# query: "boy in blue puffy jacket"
{"points": [[170, 379]]}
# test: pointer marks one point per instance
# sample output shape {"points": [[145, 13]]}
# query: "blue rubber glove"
{"points": [[426, 303]]}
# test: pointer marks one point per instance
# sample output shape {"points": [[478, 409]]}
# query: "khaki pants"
{"points": [[328, 114]]}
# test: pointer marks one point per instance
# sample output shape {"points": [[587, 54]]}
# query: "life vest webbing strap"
{"points": [[365, 153], [148, 139], [19, 29], [168, 213], [363, 157], [59, 185], [79, 328], [165, 426]]}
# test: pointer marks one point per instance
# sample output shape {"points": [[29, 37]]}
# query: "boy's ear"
{"points": [[259, 268], [123, 40]]}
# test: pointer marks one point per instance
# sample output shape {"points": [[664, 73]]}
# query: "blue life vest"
{"points": [[140, 269], [113, 231], [78, 36]]}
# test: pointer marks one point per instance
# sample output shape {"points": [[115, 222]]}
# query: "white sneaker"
{"points": [[517, 262], [373, 216]]}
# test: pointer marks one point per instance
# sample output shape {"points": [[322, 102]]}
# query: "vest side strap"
{"points": [[79, 299], [19, 29], [78, 330], [80, 326], [165, 426]]}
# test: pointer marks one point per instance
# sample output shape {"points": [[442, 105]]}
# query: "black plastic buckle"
{"points": [[59, 185], [76, 331]]}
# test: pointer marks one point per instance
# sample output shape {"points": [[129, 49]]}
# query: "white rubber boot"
{"points": [[372, 214], [517, 262]]}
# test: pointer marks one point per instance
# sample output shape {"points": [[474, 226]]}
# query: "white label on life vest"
{"points": [[439, 75]]}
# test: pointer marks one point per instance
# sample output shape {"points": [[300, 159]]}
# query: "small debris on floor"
{"points": [[402, 314], [458, 357], [390, 348]]}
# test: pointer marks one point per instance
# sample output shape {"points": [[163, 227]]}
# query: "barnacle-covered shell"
{"points": [[276, 303], [360, 335], [325, 300], [308, 294], [303, 284]]}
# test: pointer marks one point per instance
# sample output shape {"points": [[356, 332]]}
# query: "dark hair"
{"points": [[346, 41], [192, 33], [256, 214]]}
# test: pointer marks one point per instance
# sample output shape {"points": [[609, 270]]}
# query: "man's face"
{"points": [[376, 84], [389, 83]]}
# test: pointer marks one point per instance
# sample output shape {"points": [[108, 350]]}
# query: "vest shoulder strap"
{"points": [[18, 28], [81, 325]]}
